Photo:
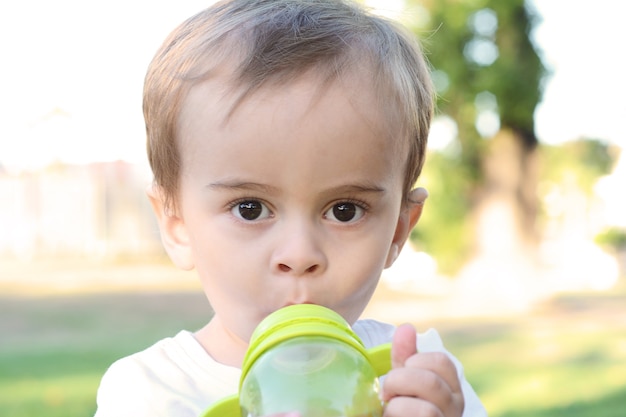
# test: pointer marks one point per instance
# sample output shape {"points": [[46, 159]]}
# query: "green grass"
{"points": [[54, 350], [568, 358]]}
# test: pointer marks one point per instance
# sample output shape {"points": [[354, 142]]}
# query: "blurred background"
{"points": [[519, 259]]}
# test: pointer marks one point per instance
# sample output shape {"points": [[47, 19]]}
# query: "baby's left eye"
{"points": [[345, 212]]}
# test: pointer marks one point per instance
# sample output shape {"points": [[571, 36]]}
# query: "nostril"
{"points": [[287, 268]]}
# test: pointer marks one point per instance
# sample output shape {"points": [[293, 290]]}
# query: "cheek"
{"points": [[360, 270], [374, 256], [225, 265]]}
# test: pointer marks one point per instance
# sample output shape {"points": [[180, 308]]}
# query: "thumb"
{"points": [[403, 345]]}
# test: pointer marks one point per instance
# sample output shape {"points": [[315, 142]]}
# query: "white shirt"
{"points": [[176, 377]]}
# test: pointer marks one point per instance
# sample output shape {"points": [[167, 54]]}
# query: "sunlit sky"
{"points": [[72, 74]]}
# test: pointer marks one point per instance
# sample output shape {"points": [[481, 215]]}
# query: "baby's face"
{"points": [[293, 199]]}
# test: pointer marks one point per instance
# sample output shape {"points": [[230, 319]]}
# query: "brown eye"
{"points": [[345, 212], [250, 210]]}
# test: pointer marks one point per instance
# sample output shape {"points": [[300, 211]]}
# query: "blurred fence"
{"points": [[96, 210]]}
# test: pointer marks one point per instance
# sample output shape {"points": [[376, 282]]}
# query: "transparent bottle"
{"points": [[306, 359]]}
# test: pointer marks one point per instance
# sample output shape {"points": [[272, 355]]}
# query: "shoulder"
{"points": [[373, 333], [175, 376], [125, 388]]}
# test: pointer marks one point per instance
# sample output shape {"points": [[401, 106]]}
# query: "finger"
{"points": [[403, 345], [406, 406], [422, 385], [416, 383], [429, 376], [439, 364]]}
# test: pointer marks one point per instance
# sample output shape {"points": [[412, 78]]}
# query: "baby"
{"points": [[285, 138]]}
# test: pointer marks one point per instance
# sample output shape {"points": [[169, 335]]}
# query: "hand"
{"points": [[420, 384]]}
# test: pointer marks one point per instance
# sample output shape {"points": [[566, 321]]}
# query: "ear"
{"points": [[409, 216], [173, 231]]}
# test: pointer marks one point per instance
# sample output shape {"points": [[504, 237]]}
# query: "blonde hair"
{"points": [[275, 41]]}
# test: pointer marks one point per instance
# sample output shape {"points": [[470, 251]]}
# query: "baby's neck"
{"points": [[223, 346]]}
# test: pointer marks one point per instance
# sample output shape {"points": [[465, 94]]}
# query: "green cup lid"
{"points": [[298, 320]]}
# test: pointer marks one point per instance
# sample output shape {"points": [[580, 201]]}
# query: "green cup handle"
{"points": [[380, 358], [226, 407]]}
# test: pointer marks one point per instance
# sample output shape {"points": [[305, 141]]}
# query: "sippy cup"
{"points": [[306, 359]]}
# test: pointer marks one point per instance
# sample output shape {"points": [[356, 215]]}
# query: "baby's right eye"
{"points": [[250, 210]]}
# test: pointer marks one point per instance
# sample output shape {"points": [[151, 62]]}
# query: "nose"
{"points": [[299, 251]]}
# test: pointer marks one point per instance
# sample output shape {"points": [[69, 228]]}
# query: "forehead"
{"points": [[358, 88], [306, 129]]}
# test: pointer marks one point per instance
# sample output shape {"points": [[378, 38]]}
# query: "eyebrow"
{"points": [[358, 189], [236, 185], [240, 185]]}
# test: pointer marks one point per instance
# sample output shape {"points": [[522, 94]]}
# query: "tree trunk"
{"points": [[507, 212], [505, 260]]}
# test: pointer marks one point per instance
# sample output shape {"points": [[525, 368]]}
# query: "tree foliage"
{"points": [[488, 77], [483, 59], [583, 161]]}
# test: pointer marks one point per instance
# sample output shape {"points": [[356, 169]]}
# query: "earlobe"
{"points": [[409, 216], [173, 231]]}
